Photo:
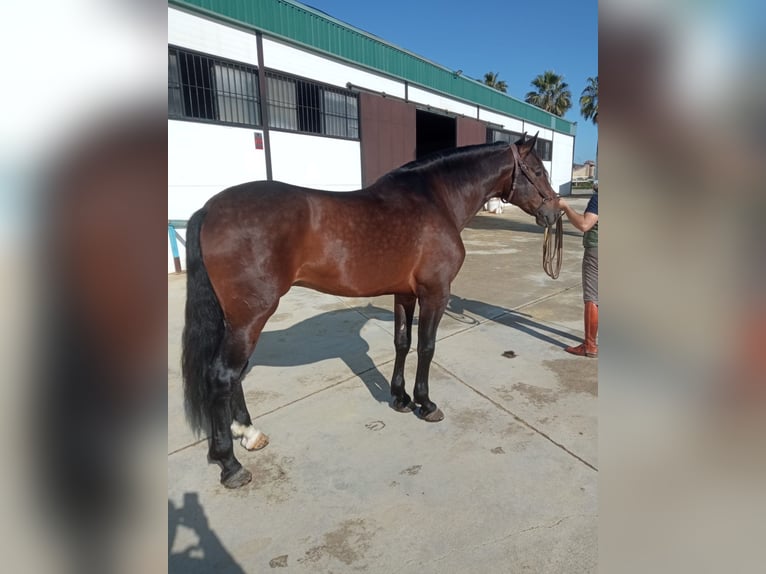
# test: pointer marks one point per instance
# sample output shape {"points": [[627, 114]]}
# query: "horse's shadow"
{"points": [[209, 554], [338, 334], [457, 307], [330, 335]]}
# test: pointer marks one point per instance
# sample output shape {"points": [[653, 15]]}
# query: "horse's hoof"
{"points": [[240, 477], [256, 441], [432, 417], [401, 406]]}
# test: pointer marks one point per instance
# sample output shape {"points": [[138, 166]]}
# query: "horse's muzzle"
{"points": [[547, 218]]}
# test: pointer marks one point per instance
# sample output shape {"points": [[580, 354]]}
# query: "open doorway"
{"points": [[434, 132]]}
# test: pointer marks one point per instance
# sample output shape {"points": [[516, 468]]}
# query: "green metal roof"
{"points": [[304, 25]]}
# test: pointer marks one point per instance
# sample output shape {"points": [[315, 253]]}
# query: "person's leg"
{"points": [[590, 297]]}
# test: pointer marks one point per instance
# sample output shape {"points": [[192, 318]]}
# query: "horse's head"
{"points": [[529, 188]]}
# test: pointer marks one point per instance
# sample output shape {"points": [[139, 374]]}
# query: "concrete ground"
{"points": [[507, 482]]}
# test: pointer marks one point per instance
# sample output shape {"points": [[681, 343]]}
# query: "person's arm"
{"points": [[581, 221]]}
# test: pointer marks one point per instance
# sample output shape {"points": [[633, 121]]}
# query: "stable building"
{"points": [[274, 89]]}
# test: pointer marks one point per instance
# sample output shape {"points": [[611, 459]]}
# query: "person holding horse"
{"points": [[587, 222]]}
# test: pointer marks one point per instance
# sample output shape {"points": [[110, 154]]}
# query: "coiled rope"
{"points": [[552, 248]]}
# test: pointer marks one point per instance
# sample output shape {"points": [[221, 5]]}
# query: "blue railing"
{"points": [[175, 237]]}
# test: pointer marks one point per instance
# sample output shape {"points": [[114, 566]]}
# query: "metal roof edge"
{"points": [[491, 93]]}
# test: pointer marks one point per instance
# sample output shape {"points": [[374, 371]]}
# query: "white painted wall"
{"points": [[204, 159], [548, 165], [318, 162], [510, 124], [282, 57], [440, 102], [532, 129], [563, 155], [195, 33]]}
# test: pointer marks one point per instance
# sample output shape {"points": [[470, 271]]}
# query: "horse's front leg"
{"points": [[404, 310], [432, 308]]}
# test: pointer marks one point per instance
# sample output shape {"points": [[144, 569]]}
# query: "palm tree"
{"points": [[552, 93], [490, 79], [589, 100]]}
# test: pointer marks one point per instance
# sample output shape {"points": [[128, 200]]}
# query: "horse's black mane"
{"points": [[470, 151]]}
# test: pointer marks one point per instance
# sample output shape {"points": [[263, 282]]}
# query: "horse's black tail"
{"points": [[203, 330]]}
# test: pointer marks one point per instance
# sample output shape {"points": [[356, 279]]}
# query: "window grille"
{"points": [[302, 106], [210, 89], [494, 135], [544, 148]]}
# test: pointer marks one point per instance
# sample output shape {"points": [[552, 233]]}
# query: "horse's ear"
{"points": [[529, 145], [522, 139]]}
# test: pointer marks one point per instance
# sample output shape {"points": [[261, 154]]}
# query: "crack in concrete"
{"points": [[354, 376], [469, 327], [495, 318], [517, 417]]}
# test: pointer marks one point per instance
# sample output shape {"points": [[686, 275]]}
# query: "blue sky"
{"points": [[516, 39]]}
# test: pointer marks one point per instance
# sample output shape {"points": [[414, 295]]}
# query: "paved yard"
{"points": [[506, 483]]}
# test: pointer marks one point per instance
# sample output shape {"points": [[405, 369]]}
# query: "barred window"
{"points": [[209, 89], [544, 148], [302, 106], [341, 114], [175, 101], [282, 102], [495, 135]]}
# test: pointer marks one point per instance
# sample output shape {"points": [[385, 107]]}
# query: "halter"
{"points": [[552, 244], [518, 163]]}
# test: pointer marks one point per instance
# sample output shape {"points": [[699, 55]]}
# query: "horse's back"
{"points": [[359, 243], [264, 196]]}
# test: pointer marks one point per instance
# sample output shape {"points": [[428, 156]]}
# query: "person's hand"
{"points": [[563, 203]]}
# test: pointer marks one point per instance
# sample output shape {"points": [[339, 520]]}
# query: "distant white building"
{"points": [[584, 171]]}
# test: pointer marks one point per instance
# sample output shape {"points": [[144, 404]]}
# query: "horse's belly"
{"points": [[358, 278]]}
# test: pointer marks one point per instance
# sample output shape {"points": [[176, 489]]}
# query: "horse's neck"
{"points": [[466, 200]]}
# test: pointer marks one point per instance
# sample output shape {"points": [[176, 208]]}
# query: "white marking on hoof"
{"points": [[252, 438], [237, 429]]}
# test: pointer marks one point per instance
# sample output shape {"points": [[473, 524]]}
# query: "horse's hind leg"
{"points": [[226, 372], [242, 425], [404, 310]]}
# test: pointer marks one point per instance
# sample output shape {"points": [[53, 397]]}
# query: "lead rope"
{"points": [[552, 249]]}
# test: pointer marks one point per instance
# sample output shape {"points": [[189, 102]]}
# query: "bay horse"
{"points": [[250, 243]]}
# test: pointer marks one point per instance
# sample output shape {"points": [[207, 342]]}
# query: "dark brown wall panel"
{"points": [[388, 135], [471, 131]]}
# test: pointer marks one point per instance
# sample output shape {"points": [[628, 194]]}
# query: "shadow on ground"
{"points": [[338, 334], [209, 554], [457, 307], [330, 335]]}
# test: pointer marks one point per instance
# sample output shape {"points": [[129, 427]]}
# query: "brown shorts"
{"points": [[590, 275]]}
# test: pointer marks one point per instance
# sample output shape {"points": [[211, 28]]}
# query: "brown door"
{"points": [[471, 131], [388, 135]]}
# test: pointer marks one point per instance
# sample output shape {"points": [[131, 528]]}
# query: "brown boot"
{"points": [[589, 347]]}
